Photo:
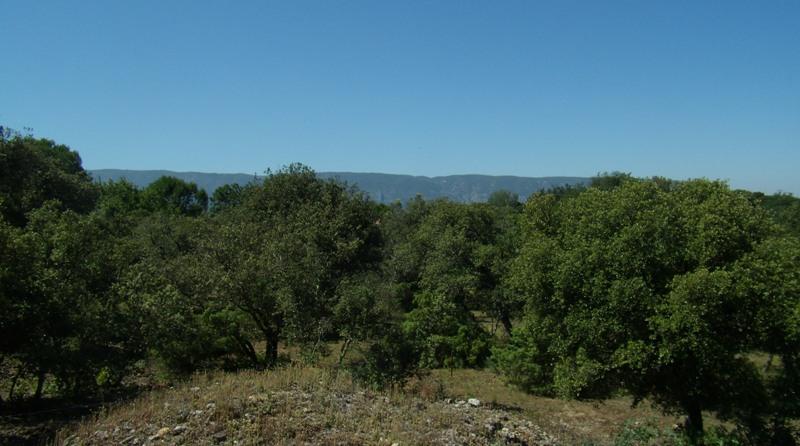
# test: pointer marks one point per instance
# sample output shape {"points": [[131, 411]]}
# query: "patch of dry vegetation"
{"points": [[572, 422], [297, 405]]}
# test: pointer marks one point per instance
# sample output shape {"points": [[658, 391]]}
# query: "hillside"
{"points": [[385, 188], [310, 405], [301, 406]]}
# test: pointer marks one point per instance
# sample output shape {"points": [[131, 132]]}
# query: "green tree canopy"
{"points": [[33, 171], [639, 287], [280, 256], [170, 194], [451, 263]]}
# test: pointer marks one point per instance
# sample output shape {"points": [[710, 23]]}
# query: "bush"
{"points": [[647, 433], [387, 362]]}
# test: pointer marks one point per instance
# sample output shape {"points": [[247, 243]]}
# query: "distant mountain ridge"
{"points": [[382, 187]]}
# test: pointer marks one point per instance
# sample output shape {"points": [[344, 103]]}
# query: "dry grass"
{"points": [[312, 405], [298, 405], [572, 422]]}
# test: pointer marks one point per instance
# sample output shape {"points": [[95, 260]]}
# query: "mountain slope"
{"points": [[385, 188]]}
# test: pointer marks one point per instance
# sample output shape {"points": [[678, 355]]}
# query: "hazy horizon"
{"points": [[261, 173]]}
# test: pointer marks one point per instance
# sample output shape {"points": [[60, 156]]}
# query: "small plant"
{"points": [[648, 433], [388, 362], [638, 433]]}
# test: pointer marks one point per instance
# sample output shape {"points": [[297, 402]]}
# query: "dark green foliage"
{"points": [[281, 255], [389, 360], [445, 334], [229, 195], [364, 309], [643, 288], [784, 207], [119, 199], [448, 264], [58, 317], [609, 181], [526, 359], [504, 198], [180, 330], [172, 195], [167, 288], [664, 290], [33, 171], [15, 286], [769, 285], [66, 320], [636, 433]]}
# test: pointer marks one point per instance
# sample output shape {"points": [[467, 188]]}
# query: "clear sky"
{"points": [[673, 88]]}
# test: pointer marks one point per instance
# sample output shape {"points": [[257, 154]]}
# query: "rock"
{"points": [[179, 429], [195, 389], [220, 436], [474, 402], [493, 426], [161, 432]]}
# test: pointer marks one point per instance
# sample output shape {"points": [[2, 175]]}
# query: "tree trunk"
{"points": [[40, 376], [343, 351], [14, 383], [271, 351], [694, 422], [248, 350], [506, 321], [271, 334]]}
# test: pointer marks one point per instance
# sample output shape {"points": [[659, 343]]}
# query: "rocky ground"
{"points": [[301, 406]]}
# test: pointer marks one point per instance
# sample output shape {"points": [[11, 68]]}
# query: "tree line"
{"points": [[659, 289]]}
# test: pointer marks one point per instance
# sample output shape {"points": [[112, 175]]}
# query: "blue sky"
{"points": [[681, 89]]}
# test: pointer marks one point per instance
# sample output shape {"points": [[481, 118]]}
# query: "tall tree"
{"points": [[170, 194], [451, 264], [633, 287], [62, 308], [281, 255], [33, 171]]}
